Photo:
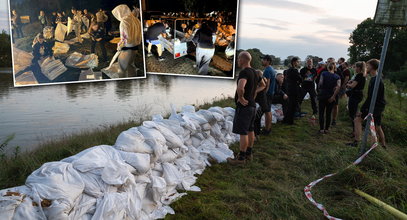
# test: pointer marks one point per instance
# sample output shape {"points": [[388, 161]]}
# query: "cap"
{"points": [[266, 57]]}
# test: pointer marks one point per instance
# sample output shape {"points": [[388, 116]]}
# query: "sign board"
{"points": [[391, 12]]}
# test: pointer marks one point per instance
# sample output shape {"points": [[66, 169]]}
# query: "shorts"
{"points": [[377, 115], [153, 42], [336, 102], [262, 101], [243, 122], [269, 100]]}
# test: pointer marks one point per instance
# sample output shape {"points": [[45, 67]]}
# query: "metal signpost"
{"points": [[391, 13]]}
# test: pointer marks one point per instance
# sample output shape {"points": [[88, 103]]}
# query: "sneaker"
{"points": [[149, 55], [161, 58], [333, 123]]}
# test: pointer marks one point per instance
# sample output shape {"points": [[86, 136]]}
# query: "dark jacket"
{"points": [[293, 81]]}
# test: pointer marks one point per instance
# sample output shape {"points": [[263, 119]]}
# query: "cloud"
{"points": [[268, 26], [284, 48], [343, 24], [285, 4]]}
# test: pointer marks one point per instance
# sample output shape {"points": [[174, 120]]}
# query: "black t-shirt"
{"points": [[293, 79], [361, 82], [308, 75], [343, 75], [251, 85], [380, 101], [204, 39], [155, 30]]}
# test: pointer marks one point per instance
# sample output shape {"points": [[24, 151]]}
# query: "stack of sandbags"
{"points": [[137, 178], [78, 60], [60, 48], [60, 32], [52, 68]]}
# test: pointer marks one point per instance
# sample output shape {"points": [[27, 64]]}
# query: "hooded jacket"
{"points": [[130, 26]]}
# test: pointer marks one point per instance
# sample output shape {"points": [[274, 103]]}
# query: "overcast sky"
{"points": [[4, 23], [291, 27], [301, 27]]}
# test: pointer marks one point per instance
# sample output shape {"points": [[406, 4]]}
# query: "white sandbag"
{"points": [[171, 174], [216, 132], [139, 161], [172, 140], [218, 117], [132, 141], [168, 157], [57, 181], [208, 115], [230, 111], [60, 48], [158, 188], [60, 32], [52, 68], [116, 173], [216, 109], [78, 60], [188, 109], [8, 205], [85, 204], [198, 118], [26, 210], [94, 185], [111, 207], [162, 212], [173, 125]]}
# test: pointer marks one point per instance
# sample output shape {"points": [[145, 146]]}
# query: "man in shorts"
{"points": [[243, 122], [372, 67], [152, 34], [270, 75]]}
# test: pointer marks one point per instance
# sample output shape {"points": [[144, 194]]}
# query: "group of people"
{"points": [[97, 26], [326, 83], [203, 35]]}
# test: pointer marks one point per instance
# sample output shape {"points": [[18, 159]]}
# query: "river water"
{"points": [[38, 114]]}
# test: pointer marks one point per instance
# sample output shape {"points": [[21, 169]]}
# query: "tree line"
{"points": [[5, 49]]}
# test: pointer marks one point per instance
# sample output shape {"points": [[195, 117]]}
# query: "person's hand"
{"points": [[243, 101], [332, 99], [285, 97]]}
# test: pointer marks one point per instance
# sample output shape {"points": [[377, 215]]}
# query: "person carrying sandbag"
{"points": [[130, 38]]}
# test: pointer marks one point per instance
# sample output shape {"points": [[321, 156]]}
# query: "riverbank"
{"points": [[271, 186]]}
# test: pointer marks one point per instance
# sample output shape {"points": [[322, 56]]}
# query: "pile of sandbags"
{"points": [[60, 48], [78, 60], [52, 68], [137, 178]]}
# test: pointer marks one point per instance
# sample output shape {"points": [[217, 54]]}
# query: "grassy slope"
{"points": [[271, 186]]}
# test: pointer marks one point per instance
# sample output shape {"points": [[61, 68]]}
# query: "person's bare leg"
{"points": [[149, 48], [251, 138], [159, 50], [244, 142], [269, 119], [381, 136], [335, 113]]}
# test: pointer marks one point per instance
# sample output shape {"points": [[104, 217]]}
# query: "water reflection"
{"points": [[39, 113]]}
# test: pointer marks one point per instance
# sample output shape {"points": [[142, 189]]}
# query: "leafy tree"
{"points": [[315, 59], [5, 50], [256, 60], [367, 42], [287, 61]]}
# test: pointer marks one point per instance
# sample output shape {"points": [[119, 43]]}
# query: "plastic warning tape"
{"points": [[307, 189]]}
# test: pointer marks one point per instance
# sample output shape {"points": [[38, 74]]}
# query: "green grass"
{"points": [[271, 186]]}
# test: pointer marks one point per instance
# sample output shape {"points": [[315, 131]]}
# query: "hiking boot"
{"points": [[161, 58]]}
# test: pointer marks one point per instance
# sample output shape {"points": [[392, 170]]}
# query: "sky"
{"points": [[290, 27], [4, 21], [301, 27]]}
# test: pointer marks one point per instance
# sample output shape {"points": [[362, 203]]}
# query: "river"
{"points": [[38, 114]]}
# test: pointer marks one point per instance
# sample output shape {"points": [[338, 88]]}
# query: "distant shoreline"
{"points": [[6, 70]]}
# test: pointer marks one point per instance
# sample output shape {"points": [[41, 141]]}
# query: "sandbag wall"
{"points": [[137, 178]]}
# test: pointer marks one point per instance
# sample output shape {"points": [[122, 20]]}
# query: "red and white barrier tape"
{"points": [[307, 189]]}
